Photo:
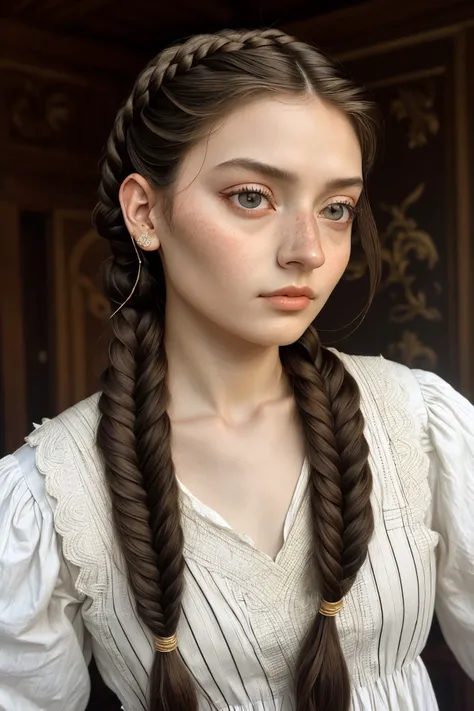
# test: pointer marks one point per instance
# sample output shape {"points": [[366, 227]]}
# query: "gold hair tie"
{"points": [[166, 644], [330, 609]]}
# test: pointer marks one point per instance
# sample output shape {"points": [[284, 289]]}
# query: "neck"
{"points": [[213, 374]]}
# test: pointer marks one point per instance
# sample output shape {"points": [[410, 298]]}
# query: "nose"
{"points": [[301, 245]]}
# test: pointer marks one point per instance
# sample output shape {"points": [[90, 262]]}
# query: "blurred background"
{"points": [[65, 67]]}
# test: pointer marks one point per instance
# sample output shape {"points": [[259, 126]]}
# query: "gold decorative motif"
{"points": [[411, 351], [40, 113], [416, 106], [401, 240]]}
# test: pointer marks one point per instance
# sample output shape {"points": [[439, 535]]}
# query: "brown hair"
{"points": [[175, 101]]}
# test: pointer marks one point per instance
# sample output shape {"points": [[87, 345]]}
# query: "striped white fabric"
{"points": [[63, 588]]}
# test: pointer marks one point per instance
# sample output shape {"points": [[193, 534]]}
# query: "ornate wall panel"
{"points": [[421, 192], [56, 109], [419, 315], [81, 311], [53, 127]]}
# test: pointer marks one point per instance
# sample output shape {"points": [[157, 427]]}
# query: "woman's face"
{"points": [[263, 205]]}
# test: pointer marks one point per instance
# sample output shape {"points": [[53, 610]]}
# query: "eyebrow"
{"points": [[287, 176]]}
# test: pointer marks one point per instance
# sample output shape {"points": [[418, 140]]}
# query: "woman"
{"points": [[219, 527]]}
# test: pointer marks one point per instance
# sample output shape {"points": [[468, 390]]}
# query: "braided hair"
{"points": [[175, 100]]}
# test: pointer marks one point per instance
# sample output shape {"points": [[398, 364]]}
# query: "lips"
{"points": [[293, 291]]}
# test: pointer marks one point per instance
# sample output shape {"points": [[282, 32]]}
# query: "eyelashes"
{"points": [[351, 209], [256, 192], [248, 199]]}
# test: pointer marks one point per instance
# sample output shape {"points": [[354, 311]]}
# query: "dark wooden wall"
{"points": [[422, 195]]}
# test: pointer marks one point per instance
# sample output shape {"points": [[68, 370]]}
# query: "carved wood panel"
{"points": [[53, 126], [81, 311], [421, 192], [55, 114], [421, 314]]}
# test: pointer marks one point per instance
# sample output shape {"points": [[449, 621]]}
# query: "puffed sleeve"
{"points": [[44, 650], [450, 434]]}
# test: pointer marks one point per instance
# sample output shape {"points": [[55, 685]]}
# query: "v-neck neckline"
{"points": [[213, 520]]}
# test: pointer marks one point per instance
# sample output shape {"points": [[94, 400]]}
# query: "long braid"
{"points": [[134, 434], [340, 485]]}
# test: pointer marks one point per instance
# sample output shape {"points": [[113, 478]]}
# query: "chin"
{"points": [[283, 336]]}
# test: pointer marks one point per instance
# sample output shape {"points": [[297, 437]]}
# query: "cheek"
{"points": [[337, 253], [210, 250]]}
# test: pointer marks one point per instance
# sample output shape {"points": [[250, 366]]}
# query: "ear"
{"points": [[137, 199]]}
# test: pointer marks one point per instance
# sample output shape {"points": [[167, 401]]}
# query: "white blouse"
{"points": [[64, 592]]}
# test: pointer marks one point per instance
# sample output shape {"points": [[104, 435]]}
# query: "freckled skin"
{"points": [[219, 257]]}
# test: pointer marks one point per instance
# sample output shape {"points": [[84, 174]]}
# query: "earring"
{"points": [[134, 242], [144, 240]]}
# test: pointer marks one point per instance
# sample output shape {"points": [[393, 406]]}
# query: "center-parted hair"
{"points": [[175, 102]]}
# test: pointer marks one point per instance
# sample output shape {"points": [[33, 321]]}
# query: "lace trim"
{"points": [[67, 457], [86, 539], [383, 394]]}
